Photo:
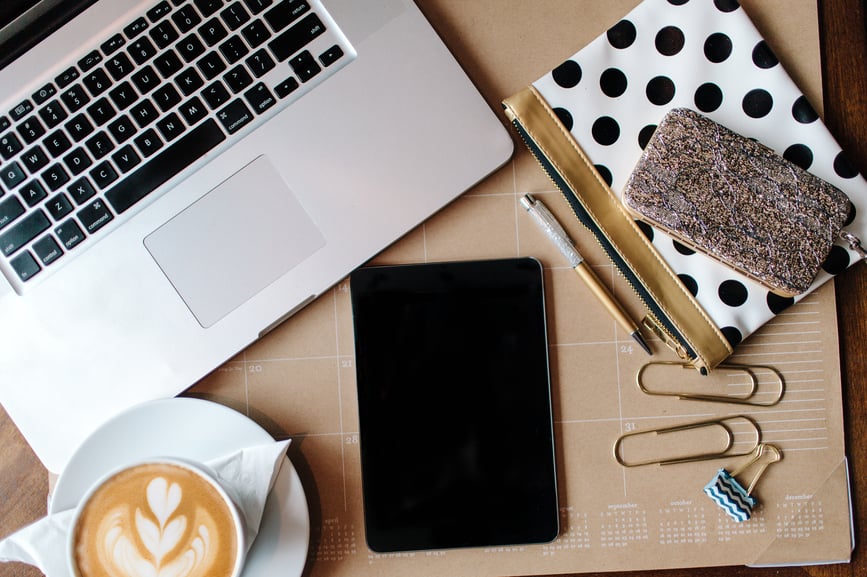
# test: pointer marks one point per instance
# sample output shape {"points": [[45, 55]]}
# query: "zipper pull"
{"points": [[854, 243], [654, 326]]}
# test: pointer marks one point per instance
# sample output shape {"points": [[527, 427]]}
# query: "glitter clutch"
{"points": [[736, 200]]}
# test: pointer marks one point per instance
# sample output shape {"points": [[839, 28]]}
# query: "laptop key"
{"points": [[260, 98], [163, 34], [67, 77], [33, 193], [257, 6], [331, 55], [58, 206], [77, 161], [141, 50], [208, 7], [9, 145], [297, 37], [193, 110], [12, 175], [10, 209], [69, 234], [285, 13], [57, 143], [213, 31], [235, 116], [256, 33], [47, 250], [186, 19], [119, 65], [44, 93], [170, 127], [22, 110], [191, 48], [135, 28], [25, 266], [168, 163], [260, 63], [168, 63], [158, 11], [286, 87], [81, 190], [148, 142], [94, 216], [31, 130], [97, 82], [35, 159], [238, 79], [52, 114], [305, 66], [103, 174], [75, 98], [55, 177], [90, 60], [126, 158], [113, 44], [23, 232]]}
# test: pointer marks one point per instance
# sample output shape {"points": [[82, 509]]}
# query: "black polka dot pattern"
{"points": [[763, 56], [757, 103], [568, 74], [670, 40], [717, 47], [622, 34], [705, 55], [606, 131], [660, 90], [613, 82], [708, 97]]}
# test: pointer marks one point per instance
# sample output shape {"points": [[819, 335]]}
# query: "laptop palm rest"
{"points": [[234, 241]]}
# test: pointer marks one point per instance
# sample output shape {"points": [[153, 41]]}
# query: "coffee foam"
{"points": [[156, 520]]}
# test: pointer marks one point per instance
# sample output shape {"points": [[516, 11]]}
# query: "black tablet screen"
{"points": [[454, 402]]}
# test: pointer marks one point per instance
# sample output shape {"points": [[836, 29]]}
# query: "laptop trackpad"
{"points": [[234, 241]]}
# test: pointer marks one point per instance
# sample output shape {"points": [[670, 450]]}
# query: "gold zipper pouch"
{"points": [[737, 201], [673, 313]]}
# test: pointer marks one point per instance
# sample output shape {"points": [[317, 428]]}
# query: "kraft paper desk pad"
{"points": [[299, 381]]}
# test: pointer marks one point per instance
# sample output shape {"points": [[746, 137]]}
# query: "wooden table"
{"points": [[24, 481]]}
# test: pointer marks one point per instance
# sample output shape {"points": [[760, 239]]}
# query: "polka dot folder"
{"points": [[589, 119]]}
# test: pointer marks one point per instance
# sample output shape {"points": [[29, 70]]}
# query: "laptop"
{"points": [[177, 177]]}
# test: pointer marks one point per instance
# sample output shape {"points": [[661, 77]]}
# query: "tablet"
{"points": [[456, 429]]}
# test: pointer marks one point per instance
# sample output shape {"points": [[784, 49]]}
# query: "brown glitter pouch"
{"points": [[736, 200]]}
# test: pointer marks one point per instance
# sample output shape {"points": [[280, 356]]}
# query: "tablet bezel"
{"points": [[506, 389]]}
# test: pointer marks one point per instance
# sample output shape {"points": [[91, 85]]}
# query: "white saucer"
{"points": [[199, 430]]}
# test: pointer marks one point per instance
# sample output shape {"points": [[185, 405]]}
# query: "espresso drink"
{"points": [[158, 520]]}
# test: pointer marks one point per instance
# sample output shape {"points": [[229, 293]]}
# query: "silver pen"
{"points": [[555, 232]]}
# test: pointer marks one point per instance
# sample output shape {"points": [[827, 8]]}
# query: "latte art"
{"points": [[156, 520]]}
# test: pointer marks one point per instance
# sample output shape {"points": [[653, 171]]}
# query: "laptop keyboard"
{"points": [[184, 79]]}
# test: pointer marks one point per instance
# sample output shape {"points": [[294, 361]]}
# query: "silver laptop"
{"points": [[179, 176]]}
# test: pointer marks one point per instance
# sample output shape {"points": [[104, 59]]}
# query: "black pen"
{"points": [[558, 236]]}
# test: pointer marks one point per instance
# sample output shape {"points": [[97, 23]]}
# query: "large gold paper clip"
{"points": [[748, 396], [717, 438]]}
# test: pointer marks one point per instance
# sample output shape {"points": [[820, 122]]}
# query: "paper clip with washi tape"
{"points": [[746, 393], [730, 495], [717, 438]]}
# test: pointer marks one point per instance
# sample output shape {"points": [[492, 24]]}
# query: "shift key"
{"points": [[23, 232]]}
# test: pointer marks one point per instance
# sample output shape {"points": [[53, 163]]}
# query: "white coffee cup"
{"points": [[160, 516]]}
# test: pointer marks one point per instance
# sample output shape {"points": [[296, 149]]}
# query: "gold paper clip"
{"points": [[724, 443], [746, 398]]}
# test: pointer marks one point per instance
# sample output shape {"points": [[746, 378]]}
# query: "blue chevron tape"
{"points": [[725, 491]]}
